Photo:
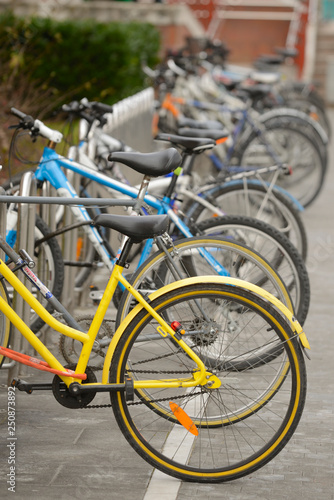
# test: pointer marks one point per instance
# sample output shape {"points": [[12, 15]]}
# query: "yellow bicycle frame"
{"points": [[87, 339], [200, 376]]}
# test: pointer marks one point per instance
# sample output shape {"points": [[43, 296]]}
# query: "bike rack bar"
{"points": [[69, 246], [52, 200], [48, 212]]}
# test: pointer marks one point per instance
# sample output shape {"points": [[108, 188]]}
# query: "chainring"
{"points": [[63, 396]]}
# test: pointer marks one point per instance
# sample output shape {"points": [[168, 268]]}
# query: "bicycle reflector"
{"points": [[183, 418], [177, 327]]}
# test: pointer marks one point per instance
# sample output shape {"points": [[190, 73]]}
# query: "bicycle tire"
{"points": [[304, 156], [295, 91], [229, 362], [304, 122], [236, 199], [274, 246], [310, 108], [215, 455], [5, 324]]}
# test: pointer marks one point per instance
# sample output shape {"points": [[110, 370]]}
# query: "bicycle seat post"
{"points": [[141, 194]]}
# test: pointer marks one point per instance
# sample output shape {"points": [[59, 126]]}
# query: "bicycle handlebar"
{"points": [[101, 107], [20, 115], [37, 127], [96, 110], [49, 133]]}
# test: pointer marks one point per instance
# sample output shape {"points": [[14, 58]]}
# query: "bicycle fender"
{"points": [[286, 193]]}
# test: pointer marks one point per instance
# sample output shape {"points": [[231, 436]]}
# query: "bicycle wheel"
{"points": [[71, 348], [5, 324], [235, 431], [255, 200], [303, 122], [87, 258], [292, 146], [311, 109], [296, 93], [274, 246]]}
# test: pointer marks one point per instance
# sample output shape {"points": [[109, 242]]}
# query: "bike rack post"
{"points": [[3, 216], [69, 247], [48, 212], [3, 211], [25, 239]]}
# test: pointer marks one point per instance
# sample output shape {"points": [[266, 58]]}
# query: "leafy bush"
{"points": [[45, 63], [103, 60]]}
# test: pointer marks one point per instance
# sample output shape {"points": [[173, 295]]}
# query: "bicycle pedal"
{"points": [[24, 386], [95, 295], [129, 389], [21, 385]]}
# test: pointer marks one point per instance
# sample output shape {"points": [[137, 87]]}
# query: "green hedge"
{"points": [[72, 59]]}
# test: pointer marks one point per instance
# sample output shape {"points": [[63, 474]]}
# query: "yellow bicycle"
{"points": [[197, 422]]}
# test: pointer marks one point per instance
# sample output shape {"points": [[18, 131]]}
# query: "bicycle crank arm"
{"points": [[75, 389]]}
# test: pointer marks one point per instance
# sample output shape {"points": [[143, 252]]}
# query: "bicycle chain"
{"points": [[90, 407], [164, 372], [97, 368]]}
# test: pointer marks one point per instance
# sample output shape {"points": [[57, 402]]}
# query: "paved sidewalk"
{"points": [[64, 454]]}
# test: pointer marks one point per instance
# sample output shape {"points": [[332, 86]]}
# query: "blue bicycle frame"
{"points": [[49, 169]]}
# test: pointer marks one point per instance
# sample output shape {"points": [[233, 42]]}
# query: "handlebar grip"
{"points": [[100, 106], [18, 113], [87, 117], [27, 121]]}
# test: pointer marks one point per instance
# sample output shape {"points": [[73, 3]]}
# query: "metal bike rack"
{"points": [[131, 122], [26, 225], [3, 215]]}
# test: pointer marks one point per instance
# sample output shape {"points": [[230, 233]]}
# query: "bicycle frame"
{"points": [[49, 169], [53, 365]]}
